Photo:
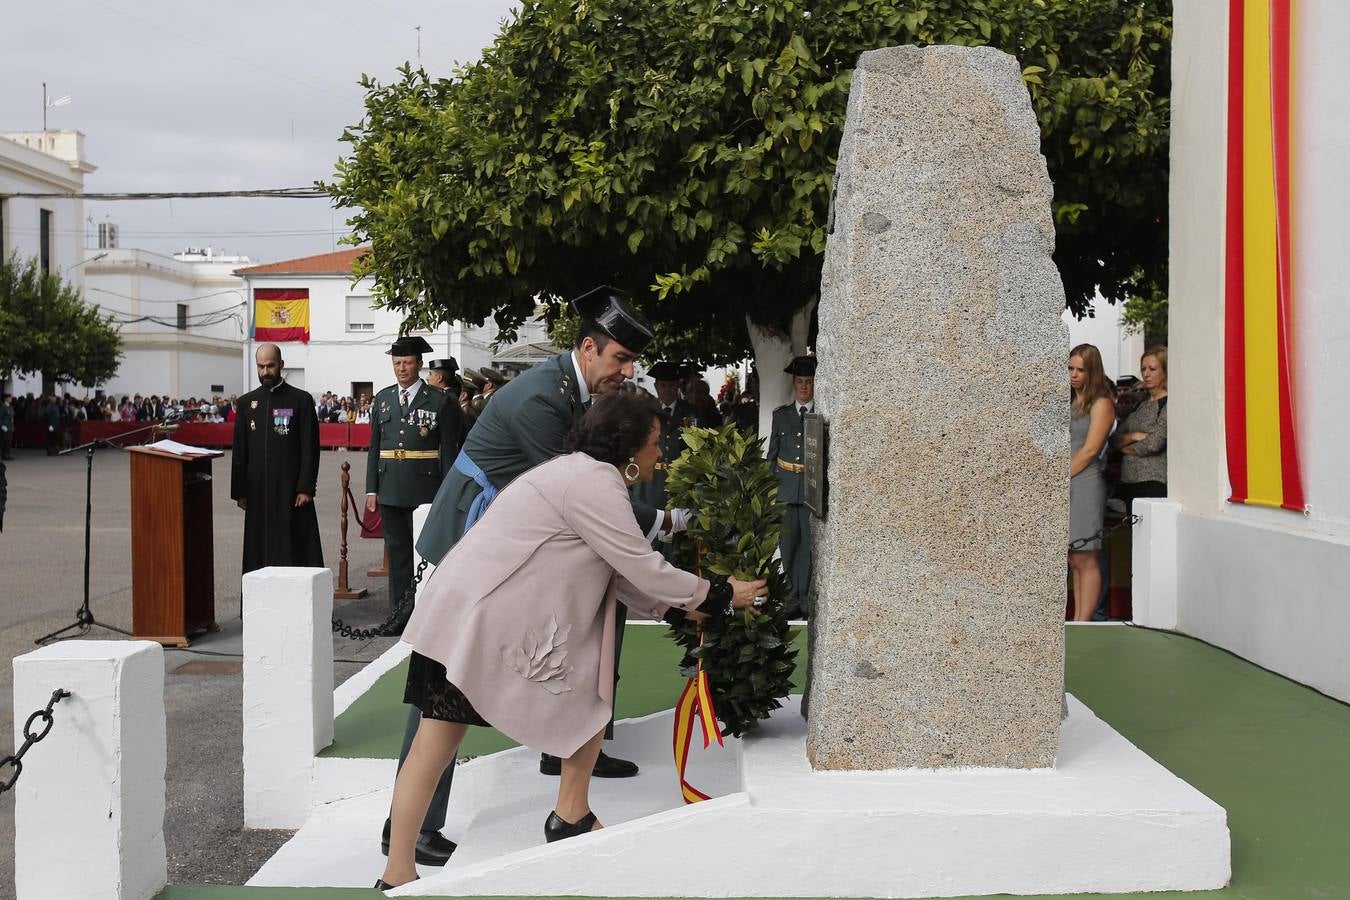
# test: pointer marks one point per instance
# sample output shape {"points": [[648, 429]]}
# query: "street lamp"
{"points": [[82, 262]]}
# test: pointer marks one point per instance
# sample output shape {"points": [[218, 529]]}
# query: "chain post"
{"points": [[15, 761], [392, 626]]}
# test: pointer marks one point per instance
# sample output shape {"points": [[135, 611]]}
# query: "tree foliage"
{"points": [[749, 659], [686, 150], [46, 326], [1147, 313]]}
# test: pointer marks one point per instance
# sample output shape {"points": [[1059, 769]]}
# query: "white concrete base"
{"points": [[1107, 819], [288, 690], [89, 804], [1154, 595]]}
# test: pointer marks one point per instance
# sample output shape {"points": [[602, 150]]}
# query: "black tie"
{"points": [[802, 413]]}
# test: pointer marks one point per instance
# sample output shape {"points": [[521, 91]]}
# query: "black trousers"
{"points": [[398, 540]]}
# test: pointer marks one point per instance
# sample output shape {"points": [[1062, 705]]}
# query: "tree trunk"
{"points": [[773, 351]]}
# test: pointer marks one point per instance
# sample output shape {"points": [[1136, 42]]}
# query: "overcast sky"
{"points": [[242, 95]]}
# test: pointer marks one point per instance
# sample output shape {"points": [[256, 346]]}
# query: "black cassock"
{"points": [[276, 456]]}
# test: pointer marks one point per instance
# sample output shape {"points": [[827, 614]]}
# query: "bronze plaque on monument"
{"points": [[815, 439]]}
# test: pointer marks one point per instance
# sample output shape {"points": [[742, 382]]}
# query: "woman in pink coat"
{"points": [[516, 626]]}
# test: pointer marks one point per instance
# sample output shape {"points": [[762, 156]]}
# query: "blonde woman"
{"points": [[1092, 413], [1142, 437]]}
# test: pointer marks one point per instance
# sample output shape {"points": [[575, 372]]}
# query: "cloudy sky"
{"points": [[243, 95]]}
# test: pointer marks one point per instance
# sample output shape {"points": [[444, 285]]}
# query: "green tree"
{"points": [[686, 150], [46, 326], [1147, 313]]}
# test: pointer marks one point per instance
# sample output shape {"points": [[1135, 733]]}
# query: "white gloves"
{"points": [[679, 519]]}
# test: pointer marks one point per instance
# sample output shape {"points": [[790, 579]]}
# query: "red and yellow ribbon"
{"points": [[695, 705], [1263, 463]]}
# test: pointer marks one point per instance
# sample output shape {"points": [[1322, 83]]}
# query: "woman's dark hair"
{"points": [[615, 428]]}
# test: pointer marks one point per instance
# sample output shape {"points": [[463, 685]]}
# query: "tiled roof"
{"points": [[339, 263]]}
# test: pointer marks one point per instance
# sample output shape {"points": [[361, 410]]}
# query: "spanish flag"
{"points": [[1263, 465], [281, 314]]}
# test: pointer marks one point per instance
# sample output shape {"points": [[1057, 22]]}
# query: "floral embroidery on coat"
{"points": [[543, 659]]}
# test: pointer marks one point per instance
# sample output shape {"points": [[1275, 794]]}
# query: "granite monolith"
{"points": [[938, 636]]}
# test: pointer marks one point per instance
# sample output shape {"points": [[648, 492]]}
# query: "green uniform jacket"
{"points": [[785, 443], [523, 425], [432, 423], [653, 493]]}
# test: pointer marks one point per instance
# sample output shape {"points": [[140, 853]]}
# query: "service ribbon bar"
{"points": [[1263, 465]]}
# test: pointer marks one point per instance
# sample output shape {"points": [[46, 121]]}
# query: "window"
{"points": [[360, 317], [45, 239], [182, 317]]}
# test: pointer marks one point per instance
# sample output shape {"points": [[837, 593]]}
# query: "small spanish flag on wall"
{"points": [[1263, 464], [281, 314]]}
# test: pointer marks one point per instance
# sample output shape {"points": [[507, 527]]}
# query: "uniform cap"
{"points": [[410, 345], [609, 308], [665, 371], [802, 365], [444, 365]]}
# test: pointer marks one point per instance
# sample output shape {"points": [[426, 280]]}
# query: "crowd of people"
{"points": [[1118, 447]]}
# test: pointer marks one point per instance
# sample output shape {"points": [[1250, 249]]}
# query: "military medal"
{"points": [[252, 425], [424, 431], [253, 405]]}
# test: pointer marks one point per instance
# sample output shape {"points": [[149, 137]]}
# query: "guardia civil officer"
{"points": [[524, 425], [676, 415], [414, 436], [785, 454], [443, 375]]}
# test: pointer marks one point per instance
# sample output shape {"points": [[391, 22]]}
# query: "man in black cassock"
{"points": [[275, 468]]}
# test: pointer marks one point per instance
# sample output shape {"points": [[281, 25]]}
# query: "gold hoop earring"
{"points": [[631, 475]]}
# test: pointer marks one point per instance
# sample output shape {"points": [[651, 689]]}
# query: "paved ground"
{"points": [[41, 584]]}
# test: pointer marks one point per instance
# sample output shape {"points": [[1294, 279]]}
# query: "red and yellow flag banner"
{"points": [[1263, 465], [695, 705], [281, 314]]}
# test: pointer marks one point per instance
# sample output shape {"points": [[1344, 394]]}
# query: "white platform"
{"points": [[1107, 819]]}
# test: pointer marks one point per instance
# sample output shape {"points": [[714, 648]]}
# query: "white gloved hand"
{"points": [[679, 519]]}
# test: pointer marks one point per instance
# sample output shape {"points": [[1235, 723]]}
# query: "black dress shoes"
{"points": [[433, 848], [605, 766], [382, 885], [556, 827]]}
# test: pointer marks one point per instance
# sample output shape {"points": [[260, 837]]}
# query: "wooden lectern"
{"points": [[173, 575]]}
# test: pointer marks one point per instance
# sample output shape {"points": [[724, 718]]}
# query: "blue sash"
{"points": [[485, 497]]}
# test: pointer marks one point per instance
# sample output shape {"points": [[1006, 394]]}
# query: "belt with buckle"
{"points": [[786, 466], [410, 454]]}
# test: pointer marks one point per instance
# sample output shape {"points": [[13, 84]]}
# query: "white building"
{"points": [[48, 228], [1268, 584], [348, 337], [1120, 348], [183, 319]]}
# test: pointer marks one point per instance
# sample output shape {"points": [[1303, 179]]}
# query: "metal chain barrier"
{"points": [[1128, 522], [391, 627], [15, 761]]}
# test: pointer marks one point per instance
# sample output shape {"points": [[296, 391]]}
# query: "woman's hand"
{"points": [[744, 593]]}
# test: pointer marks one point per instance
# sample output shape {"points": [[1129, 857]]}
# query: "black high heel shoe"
{"points": [[382, 885], [556, 827]]}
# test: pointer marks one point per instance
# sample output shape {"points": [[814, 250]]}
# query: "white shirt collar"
{"points": [[412, 390], [581, 382], [810, 407]]}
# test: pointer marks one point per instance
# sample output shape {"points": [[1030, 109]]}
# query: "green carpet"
{"points": [[649, 681], [1271, 752]]}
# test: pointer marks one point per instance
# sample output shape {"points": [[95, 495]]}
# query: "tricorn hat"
{"points": [[444, 365], [609, 308], [665, 371], [410, 345], [802, 365]]}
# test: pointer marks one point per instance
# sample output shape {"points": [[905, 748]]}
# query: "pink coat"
{"points": [[521, 610]]}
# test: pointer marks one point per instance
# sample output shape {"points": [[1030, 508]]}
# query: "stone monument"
{"points": [[938, 635]]}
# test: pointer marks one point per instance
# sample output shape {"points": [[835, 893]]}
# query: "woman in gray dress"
{"points": [[1092, 413], [1142, 437]]}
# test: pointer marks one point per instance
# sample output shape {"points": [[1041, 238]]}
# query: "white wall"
{"points": [[1120, 349], [1267, 584], [24, 169]]}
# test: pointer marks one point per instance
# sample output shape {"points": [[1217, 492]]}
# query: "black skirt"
{"points": [[430, 691]]}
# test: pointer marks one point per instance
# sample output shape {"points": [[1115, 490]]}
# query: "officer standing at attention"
{"points": [[443, 375], [676, 415], [414, 436], [785, 453]]}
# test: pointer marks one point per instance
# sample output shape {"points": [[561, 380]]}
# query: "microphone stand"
{"points": [[84, 617]]}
